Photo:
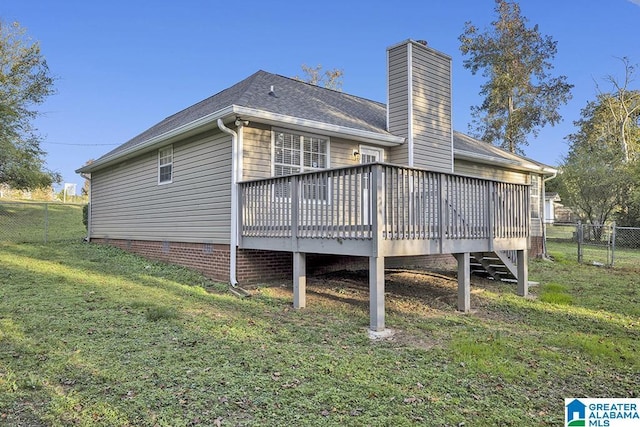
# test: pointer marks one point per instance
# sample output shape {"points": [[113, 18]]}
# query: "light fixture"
{"points": [[356, 154]]}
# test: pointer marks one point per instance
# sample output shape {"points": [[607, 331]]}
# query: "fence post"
{"points": [[579, 238], [613, 242]]}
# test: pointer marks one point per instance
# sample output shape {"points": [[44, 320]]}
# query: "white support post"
{"points": [[299, 280], [376, 259], [464, 281], [523, 272], [376, 293]]}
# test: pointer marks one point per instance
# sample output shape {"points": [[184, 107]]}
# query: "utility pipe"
{"points": [[235, 137]]}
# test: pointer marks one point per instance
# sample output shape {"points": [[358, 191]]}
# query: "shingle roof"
{"points": [[289, 97], [285, 96], [465, 143]]}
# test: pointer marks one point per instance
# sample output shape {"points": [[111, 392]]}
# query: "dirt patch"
{"points": [[434, 290]]}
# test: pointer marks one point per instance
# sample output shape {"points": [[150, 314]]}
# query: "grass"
{"points": [[90, 335], [40, 222], [594, 253]]}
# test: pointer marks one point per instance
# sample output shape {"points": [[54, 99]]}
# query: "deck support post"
{"points": [[464, 281], [376, 293], [299, 280], [523, 272]]}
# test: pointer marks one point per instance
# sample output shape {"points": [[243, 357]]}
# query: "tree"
{"points": [[623, 105], [86, 186], [25, 82], [601, 174], [593, 182], [520, 94], [330, 79]]}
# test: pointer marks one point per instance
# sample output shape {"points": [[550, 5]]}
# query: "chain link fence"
{"points": [[602, 245], [26, 222]]}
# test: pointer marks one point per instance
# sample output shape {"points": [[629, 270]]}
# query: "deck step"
{"points": [[496, 265]]}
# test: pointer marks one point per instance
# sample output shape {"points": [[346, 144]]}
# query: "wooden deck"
{"points": [[379, 210]]}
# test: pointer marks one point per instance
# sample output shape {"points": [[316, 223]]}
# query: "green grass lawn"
{"points": [[90, 335], [40, 222]]}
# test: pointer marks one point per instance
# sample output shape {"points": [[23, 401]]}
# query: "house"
{"points": [[551, 202], [261, 178]]}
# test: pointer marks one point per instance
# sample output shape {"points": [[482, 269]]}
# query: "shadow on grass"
{"points": [[78, 317]]}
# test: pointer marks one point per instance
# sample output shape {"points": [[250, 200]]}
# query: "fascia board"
{"points": [[167, 137], [298, 123], [511, 164]]}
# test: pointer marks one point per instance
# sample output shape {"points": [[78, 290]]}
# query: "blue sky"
{"points": [[122, 66]]}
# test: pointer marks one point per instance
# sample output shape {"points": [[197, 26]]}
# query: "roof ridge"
{"points": [[246, 81], [317, 87]]}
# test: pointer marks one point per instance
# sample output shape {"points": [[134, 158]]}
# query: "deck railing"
{"points": [[400, 203]]}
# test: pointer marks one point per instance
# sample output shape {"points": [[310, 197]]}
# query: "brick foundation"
{"points": [[255, 266], [212, 260], [536, 249]]}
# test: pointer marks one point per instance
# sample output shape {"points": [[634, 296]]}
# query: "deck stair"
{"points": [[495, 265]]}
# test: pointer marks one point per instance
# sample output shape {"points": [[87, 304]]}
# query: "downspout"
{"points": [[544, 213], [233, 245]]}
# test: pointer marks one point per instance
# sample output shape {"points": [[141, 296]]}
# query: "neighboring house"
{"points": [[212, 186], [551, 202]]}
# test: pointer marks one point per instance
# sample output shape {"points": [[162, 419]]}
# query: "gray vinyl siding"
{"points": [[128, 203], [342, 152], [432, 131], [257, 151], [398, 101], [427, 121], [536, 223], [481, 170]]}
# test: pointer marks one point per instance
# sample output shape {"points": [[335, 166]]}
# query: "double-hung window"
{"points": [[297, 152], [165, 165], [535, 197]]}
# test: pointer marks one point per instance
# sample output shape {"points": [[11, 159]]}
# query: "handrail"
{"points": [[341, 203]]}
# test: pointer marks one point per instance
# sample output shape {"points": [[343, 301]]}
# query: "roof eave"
{"points": [[180, 132], [247, 113], [328, 129], [511, 164]]}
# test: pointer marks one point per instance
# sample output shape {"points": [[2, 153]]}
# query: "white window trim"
{"points": [[536, 182], [169, 147], [379, 150], [302, 167]]}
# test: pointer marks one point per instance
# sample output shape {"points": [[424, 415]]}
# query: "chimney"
{"points": [[419, 105]]}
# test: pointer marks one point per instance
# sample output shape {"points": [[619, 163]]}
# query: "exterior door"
{"points": [[368, 155]]}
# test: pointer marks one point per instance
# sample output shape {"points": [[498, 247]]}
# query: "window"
{"points": [[535, 196], [295, 153], [165, 165]]}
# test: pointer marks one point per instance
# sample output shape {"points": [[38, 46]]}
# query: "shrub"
{"points": [[85, 216]]}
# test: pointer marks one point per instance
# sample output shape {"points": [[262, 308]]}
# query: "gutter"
{"points": [[233, 244], [236, 175], [194, 126], [198, 125], [512, 164], [298, 123]]}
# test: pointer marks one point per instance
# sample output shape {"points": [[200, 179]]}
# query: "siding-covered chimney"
{"points": [[419, 105]]}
